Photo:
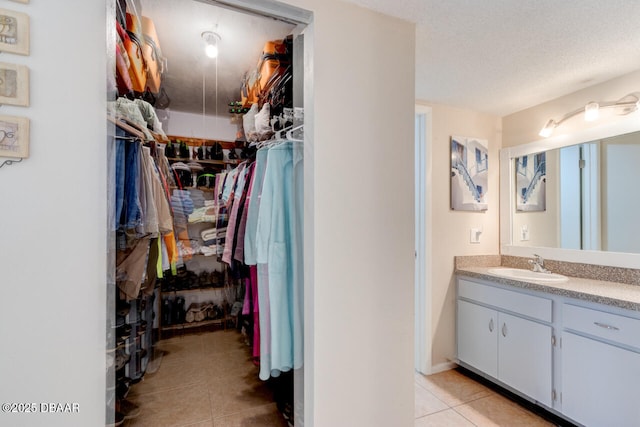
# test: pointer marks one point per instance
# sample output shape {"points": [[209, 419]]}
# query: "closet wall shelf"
{"points": [[197, 142], [175, 187], [205, 161]]}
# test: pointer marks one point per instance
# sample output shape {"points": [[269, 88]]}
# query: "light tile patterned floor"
{"points": [[451, 399], [205, 380], [208, 380]]}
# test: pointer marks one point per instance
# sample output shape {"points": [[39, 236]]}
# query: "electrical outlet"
{"points": [[524, 233]]}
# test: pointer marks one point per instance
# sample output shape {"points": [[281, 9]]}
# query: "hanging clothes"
{"points": [[139, 210], [279, 246]]}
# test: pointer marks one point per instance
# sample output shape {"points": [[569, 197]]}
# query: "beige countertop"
{"points": [[614, 294]]}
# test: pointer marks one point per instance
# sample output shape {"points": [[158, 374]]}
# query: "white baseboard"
{"points": [[441, 367]]}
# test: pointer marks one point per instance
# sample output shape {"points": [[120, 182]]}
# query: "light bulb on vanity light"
{"points": [[591, 111], [547, 130]]}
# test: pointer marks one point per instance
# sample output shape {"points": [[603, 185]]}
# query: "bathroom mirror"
{"points": [[588, 185]]}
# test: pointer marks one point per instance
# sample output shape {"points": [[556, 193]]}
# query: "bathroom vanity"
{"points": [[570, 345]]}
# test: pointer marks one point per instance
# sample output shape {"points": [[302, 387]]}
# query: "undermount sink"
{"points": [[517, 273]]}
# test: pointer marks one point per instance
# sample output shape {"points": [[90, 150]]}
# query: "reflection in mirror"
{"points": [[591, 192], [531, 174]]}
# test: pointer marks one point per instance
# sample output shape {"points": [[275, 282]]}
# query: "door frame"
{"points": [[423, 230]]}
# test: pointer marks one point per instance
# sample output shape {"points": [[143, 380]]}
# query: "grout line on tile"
{"points": [[462, 415], [433, 413]]}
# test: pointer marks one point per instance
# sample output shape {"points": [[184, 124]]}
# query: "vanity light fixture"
{"points": [[211, 39], [591, 111], [547, 130], [624, 106]]}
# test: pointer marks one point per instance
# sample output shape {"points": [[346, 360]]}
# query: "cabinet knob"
{"points": [[504, 329], [491, 325]]}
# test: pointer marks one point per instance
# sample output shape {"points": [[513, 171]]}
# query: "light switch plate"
{"points": [[524, 233], [474, 235]]}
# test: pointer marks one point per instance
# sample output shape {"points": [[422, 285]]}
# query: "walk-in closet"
{"points": [[205, 195]]}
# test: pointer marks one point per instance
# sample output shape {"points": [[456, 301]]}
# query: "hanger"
{"points": [[281, 132], [293, 129], [127, 127]]}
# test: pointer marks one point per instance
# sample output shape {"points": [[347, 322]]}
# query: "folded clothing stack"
{"points": [[197, 196], [182, 206], [203, 214]]}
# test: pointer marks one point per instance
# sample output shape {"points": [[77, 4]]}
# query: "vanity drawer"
{"points": [[523, 304], [613, 327]]}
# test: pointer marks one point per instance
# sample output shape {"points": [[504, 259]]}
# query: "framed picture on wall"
{"points": [[531, 182], [14, 136], [21, 1], [469, 173], [14, 32], [14, 84]]}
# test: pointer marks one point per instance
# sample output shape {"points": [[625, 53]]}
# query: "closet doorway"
{"points": [[170, 371], [422, 290]]}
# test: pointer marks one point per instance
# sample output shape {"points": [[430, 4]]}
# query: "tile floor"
{"points": [[208, 380], [205, 380], [452, 399]]}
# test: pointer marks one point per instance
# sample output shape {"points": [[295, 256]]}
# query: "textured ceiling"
{"points": [[502, 56], [180, 23], [495, 56]]}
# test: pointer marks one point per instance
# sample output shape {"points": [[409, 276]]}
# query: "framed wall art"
{"points": [[14, 137], [14, 84], [469, 173], [21, 1], [531, 183], [14, 32]]}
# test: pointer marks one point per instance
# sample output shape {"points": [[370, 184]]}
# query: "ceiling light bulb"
{"points": [[211, 50], [591, 111], [547, 130], [211, 39]]}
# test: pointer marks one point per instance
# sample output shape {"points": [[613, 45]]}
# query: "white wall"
{"points": [[52, 222], [191, 125], [451, 229], [363, 252]]}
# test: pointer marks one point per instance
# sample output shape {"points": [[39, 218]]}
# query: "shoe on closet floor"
{"points": [[123, 331], [122, 359], [197, 312], [122, 308]]}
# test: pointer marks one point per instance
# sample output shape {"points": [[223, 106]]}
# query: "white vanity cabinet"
{"points": [[506, 335], [578, 358], [600, 367]]}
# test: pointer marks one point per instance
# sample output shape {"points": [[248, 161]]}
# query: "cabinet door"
{"points": [[600, 382], [525, 357], [477, 337]]}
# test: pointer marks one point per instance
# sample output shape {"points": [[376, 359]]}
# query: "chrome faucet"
{"points": [[538, 264]]}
